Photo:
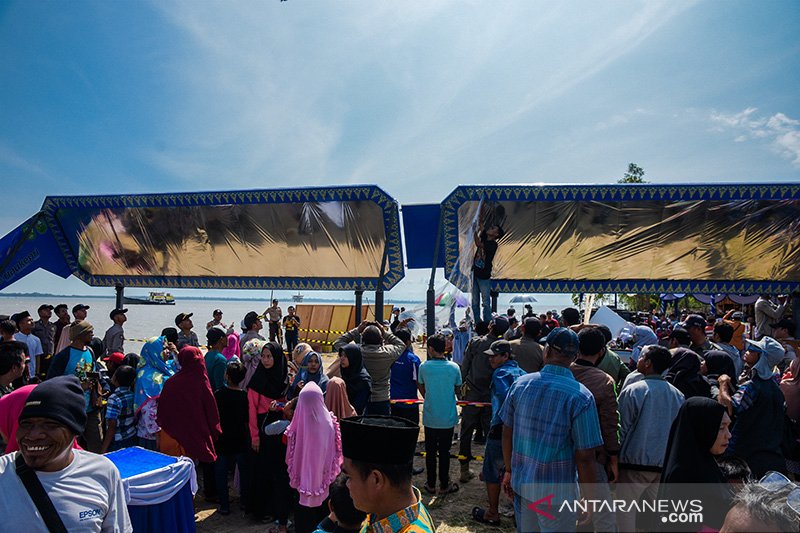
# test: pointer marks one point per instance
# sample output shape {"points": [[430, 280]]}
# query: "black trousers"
{"points": [[273, 330], [291, 340], [307, 518], [437, 443], [471, 418], [410, 413]]}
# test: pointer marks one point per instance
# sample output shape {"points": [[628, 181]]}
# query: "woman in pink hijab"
{"points": [[232, 349], [313, 456], [10, 408]]}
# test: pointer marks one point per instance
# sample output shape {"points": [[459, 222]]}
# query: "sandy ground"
{"points": [[451, 513]]}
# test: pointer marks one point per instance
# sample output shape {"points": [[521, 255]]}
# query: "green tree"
{"points": [[635, 174], [599, 299]]}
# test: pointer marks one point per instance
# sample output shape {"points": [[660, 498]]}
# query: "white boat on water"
{"points": [[155, 298], [297, 298]]}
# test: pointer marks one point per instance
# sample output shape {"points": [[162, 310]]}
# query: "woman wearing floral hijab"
{"points": [[152, 373]]}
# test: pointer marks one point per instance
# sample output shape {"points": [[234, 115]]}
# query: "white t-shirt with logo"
{"points": [[88, 495]]}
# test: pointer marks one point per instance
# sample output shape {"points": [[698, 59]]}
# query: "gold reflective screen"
{"points": [[298, 240], [639, 240]]}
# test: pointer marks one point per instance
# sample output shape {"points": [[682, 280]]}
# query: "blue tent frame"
{"points": [[393, 269], [615, 193]]}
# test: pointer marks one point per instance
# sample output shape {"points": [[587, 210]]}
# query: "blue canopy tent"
{"points": [[332, 238], [627, 238], [631, 238]]}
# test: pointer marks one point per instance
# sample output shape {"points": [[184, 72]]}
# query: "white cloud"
{"points": [[780, 131], [375, 91]]}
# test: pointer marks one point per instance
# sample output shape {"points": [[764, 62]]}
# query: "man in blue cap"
{"points": [[550, 431]]}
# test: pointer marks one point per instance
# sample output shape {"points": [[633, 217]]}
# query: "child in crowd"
{"points": [[313, 456], [121, 427], [439, 379], [233, 444], [344, 517]]}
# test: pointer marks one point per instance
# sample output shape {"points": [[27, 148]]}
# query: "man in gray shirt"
{"points": [[114, 339], [767, 313], [85, 489], [46, 331], [380, 350]]}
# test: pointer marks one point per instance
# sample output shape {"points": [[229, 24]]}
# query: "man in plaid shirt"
{"points": [[551, 429], [121, 430]]}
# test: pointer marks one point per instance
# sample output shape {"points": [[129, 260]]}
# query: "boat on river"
{"points": [[155, 298]]}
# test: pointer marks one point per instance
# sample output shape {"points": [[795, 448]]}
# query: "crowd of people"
{"points": [[550, 399]]}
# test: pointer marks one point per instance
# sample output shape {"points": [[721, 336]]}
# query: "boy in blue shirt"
{"points": [[404, 380], [439, 379]]}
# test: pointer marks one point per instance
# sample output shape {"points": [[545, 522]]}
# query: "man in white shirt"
{"points": [[25, 335], [85, 489]]}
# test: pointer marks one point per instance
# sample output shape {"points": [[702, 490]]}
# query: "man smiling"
{"points": [[84, 489]]}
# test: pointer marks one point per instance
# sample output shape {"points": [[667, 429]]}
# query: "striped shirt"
{"points": [[120, 408], [413, 519], [552, 416]]}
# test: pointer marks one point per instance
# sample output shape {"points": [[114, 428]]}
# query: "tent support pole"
{"points": [[120, 294], [379, 291], [430, 304], [493, 298], [359, 304]]}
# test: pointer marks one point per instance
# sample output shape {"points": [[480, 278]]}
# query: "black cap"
{"points": [[386, 440], [60, 306], [79, 307], [213, 335], [116, 312], [681, 335], [181, 317], [17, 317], [250, 319], [45, 306], [498, 347], [694, 321], [171, 334], [61, 399], [217, 312]]}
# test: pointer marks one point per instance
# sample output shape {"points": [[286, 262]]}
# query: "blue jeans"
{"points": [[481, 289], [221, 473]]}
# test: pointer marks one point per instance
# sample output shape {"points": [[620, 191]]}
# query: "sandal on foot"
{"points": [[429, 489], [479, 515], [451, 488]]}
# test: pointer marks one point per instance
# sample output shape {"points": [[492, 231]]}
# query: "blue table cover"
{"points": [[159, 489]]}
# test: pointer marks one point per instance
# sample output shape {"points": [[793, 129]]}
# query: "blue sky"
{"points": [[416, 97]]}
